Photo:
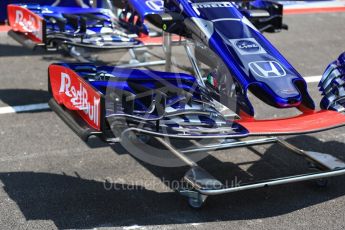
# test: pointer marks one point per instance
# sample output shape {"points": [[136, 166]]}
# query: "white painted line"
{"points": [[312, 79], [132, 227], [23, 108]]}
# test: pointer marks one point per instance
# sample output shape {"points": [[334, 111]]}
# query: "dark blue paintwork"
{"points": [[46, 11], [146, 7], [120, 78], [221, 26], [253, 61], [100, 25]]}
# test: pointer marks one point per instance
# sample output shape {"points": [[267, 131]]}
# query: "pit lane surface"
{"points": [[50, 179]]}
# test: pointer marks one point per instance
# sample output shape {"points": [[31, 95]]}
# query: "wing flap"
{"points": [[305, 123]]}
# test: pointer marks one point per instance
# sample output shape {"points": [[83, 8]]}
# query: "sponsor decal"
{"points": [[212, 80], [247, 46], [155, 5], [288, 91], [267, 69], [25, 21], [75, 94], [207, 5], [212, 5]]}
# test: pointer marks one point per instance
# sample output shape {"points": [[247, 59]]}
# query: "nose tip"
{"points": [[293, 101]]}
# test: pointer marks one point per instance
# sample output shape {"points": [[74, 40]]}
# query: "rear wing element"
{"points": [[75, 94], [25, 21]]}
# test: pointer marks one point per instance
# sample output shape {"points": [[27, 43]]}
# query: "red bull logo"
{"points": [[75, 94], [23, 20]]}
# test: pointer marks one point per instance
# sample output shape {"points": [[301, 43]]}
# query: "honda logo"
{"points": [[267, 69]]}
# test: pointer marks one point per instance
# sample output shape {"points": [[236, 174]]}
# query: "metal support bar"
{"points": [[194, 63], [323, 160], [179, 155], [167, 39], [291, 147], [132, 54], [229, 145], [142, 64], [207, 185], [278, 181], [77, 55]]}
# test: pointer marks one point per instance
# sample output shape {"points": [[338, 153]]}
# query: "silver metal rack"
{"points": [[203, 184]]}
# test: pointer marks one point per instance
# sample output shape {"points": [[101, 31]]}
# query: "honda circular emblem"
{"points": [[267, 69]]}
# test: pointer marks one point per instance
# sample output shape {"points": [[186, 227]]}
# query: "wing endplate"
{"points": [[76, 94], [25, 21]]}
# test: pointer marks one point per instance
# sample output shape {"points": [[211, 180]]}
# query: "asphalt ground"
{"points": [[50, 179]]}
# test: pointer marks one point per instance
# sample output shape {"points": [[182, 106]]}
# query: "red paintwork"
{"points": [[24, 21], [72, 91], [305, 123], [314, 10], [156, 40]]}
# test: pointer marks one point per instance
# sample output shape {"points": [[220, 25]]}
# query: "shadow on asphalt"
{"points": [[18, 50], [74, 202], [49, 56], [15, 97]]}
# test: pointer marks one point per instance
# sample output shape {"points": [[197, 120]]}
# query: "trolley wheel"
{"points": [[196, 203], [144, 57], [195, 199], [322, 183], [134, 62]]}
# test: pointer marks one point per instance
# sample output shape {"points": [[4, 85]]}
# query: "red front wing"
{"points": [[25, 21], [304, 123], [74, 93]]}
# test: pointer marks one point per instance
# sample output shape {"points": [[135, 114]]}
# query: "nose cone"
{"points": [[275, 84], [280, 93], [286, 92]]}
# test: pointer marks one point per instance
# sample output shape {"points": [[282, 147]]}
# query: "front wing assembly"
{"points": [[53, 27], [114, 103]]}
